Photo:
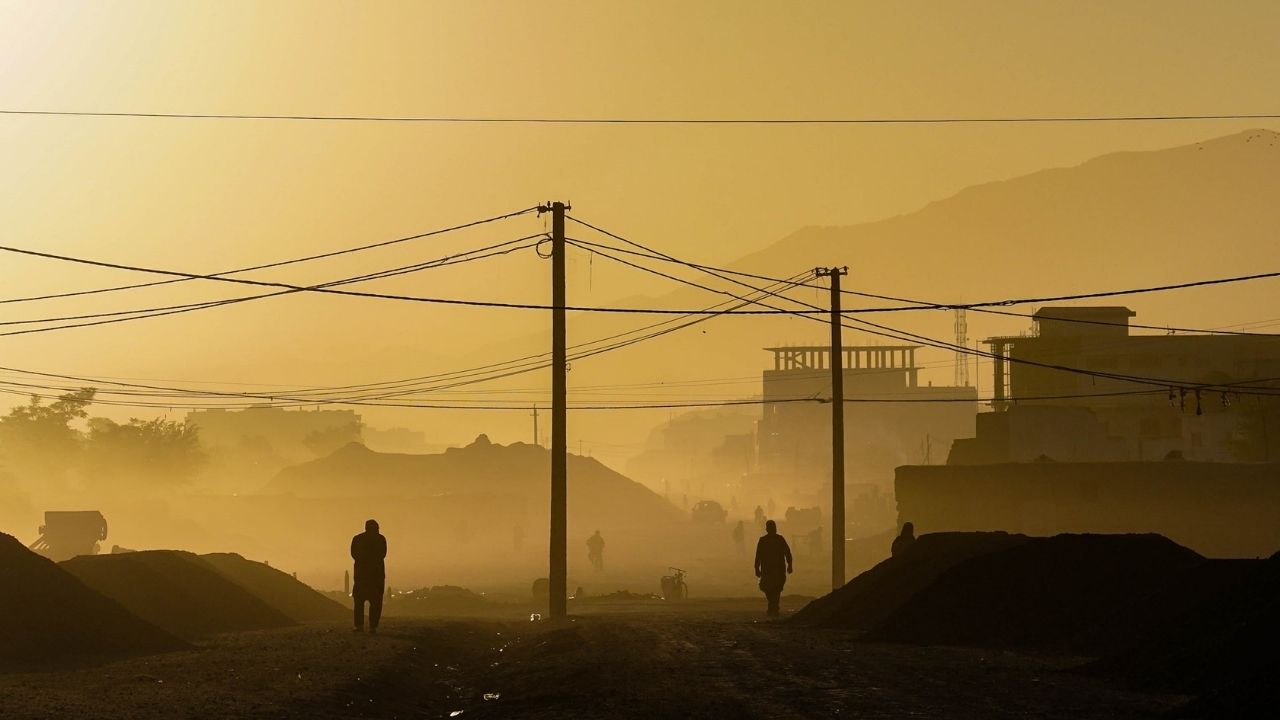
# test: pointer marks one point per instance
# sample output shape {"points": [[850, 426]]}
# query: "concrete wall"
{"points": [[1217, 509]]}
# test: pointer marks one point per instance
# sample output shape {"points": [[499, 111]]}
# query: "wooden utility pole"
{"points": [[559, 562], [536, 441], [837, 426]]}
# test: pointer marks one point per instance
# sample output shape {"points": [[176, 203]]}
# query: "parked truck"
{"points": [[68, 533]]}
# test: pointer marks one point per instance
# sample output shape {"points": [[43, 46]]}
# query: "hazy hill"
{"points": [[481, 471], [1121, 220], [1186, 212]]}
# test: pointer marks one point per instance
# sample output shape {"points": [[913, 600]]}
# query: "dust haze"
{"points": [[458, 360]]}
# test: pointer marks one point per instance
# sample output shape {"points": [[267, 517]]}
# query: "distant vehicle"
{"points": [[68, 533], [673, 586], [709, 512], [802, 521]]}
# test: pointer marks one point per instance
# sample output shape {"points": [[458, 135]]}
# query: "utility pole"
{"points": [[837, 427], [559, 563], [962, 341], [535, 426]]}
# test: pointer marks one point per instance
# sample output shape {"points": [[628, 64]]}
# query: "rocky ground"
{"points": [[706, 659]]}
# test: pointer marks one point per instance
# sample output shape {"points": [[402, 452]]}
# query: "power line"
{"points": [[536, 361], [382, 296], [282, 263], [688, 320], [535, 120], [896, 334], [522, 407], [297, 398], [703, 314], [502, 248], [650, 311], [984, 307]]}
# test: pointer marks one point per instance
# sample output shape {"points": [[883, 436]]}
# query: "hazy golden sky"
{"points": [[206, 195]]}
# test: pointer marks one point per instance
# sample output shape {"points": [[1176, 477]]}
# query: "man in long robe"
{"points": [[773, 564]]}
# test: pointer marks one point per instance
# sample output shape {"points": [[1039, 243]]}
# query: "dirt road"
{"points": [[706, 660]]}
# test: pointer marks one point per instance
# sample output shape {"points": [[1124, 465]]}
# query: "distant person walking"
{"points": [[904, 541], [773, 564], [369, 551], [759, 516], [740, 538], [595, 551]]}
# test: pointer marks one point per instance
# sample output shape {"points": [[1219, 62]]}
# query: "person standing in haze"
{"points": [[369, 550], [773, 564], [904, 541], [740, 538], [595, 551]]}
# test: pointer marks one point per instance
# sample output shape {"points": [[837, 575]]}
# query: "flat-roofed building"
{"points": [[1081, 387], [890, 418]]}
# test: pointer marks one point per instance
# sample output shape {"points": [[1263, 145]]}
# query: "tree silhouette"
{"points": [[37, 440], [158, 452]]}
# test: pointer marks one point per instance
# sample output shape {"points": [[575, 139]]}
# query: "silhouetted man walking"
{"points": [[369, 550], [595, 551], [773, 564]]}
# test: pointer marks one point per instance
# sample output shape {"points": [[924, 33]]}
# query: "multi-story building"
{"points": [[1080, 387], [890, 418]]}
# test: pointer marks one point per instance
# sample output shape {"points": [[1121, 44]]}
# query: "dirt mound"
{"points": [[872, 596], [176, 591], [620, 596], [1149, 616], [1221, 645], [46, 613], [1043, 593], [277, 589], [436, 600], [1256, 696]]}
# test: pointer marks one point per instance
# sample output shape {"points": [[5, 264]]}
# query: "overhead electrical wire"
{"points": [[616, 310], [390, 390], [282, 263], [916, 304], [383, 296], [519, 370], [901, 335], [918, 338], [585, 350], [456, 379], [530, 363], [604, 120], [645, 405], [502, 248], [976, 306]]}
